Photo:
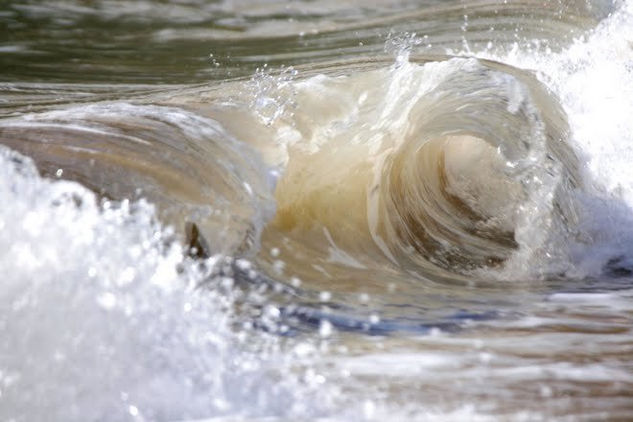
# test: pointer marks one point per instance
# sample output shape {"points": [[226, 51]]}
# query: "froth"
{"points": [[593, 80], [103, 318]]}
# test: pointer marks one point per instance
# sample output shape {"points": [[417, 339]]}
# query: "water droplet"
{"points": [[107, 300], [325, 328], [133, 410]]}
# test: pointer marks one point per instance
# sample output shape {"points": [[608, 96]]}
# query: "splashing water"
{"points": [[272, 95], [438, 233], [140, 333]]}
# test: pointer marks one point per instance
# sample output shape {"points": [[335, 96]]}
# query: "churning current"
{"points": [[260, 210]]}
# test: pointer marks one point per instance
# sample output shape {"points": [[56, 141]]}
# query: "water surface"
{"points": [[316, 210]]}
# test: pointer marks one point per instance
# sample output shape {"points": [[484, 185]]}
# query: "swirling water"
{"points": [[316, 210]]}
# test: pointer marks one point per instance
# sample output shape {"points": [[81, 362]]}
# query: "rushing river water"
{"points": [[316, 210]]}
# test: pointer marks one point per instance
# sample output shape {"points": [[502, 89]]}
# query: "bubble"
{"points": [[325, 328], [325, 296]]}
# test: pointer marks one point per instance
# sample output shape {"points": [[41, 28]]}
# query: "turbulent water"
{"points": [[316, 210]]}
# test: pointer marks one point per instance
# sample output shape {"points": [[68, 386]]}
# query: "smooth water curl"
{"points": [[481, 156], [212, 189]]}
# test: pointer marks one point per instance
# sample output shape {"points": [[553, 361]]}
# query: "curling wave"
{"points": [[435, 167], [439, 168], [202, 179]]}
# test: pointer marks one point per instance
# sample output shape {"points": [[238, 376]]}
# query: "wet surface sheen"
{"points": [[393, 211]]}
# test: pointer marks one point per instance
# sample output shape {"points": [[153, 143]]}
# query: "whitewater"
{"points": [[424, 214]]}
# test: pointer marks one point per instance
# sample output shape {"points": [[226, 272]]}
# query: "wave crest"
{"points": [[445, 167]]}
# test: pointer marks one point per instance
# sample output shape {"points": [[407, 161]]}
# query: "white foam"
{"points": [[101, 319], [593, 78]]}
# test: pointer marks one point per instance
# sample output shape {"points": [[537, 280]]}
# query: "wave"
{"points": [[473, 215], [444, 169], [200, 178], [437, 168]]}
